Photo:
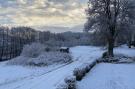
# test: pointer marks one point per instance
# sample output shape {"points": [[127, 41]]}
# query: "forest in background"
{"points": [[13, 39]]}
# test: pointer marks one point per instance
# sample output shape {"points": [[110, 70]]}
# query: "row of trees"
{"points": [[13, 39], [110, 18]]}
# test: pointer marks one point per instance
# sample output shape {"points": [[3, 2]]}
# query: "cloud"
{"points": [[42, 12]]}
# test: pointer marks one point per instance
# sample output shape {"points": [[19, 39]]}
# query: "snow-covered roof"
{"points": [[63, 47]]}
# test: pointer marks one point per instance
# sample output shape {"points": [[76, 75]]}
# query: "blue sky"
{"points": [[42, 12]]}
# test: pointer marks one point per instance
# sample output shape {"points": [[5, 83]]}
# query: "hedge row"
{"points": [[69, 83], [78, 74]]}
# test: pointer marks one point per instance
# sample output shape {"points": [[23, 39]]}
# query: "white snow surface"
{"points": [[125, 51], [20, 77], [109, 76]]}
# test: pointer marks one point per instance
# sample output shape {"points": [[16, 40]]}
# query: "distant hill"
{"points": [[58, 29], [78, 28]]}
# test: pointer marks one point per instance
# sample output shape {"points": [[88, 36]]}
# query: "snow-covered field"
{"points": [[19, 77], [130, 52], [109, 76]]}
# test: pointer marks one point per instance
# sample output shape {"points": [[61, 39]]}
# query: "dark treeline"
{"points": [[13, 39]]}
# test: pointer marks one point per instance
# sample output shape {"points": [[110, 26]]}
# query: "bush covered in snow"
{"points": [[46, 58], [80, 72], [118, 58], [20, 60], [32, 50], [69, 83], [37, 54], [62, 86]]}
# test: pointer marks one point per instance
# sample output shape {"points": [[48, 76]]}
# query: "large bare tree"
{"points": [[110, 17]]}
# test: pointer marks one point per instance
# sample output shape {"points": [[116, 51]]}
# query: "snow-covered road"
{"points": [[22, 78], [110, 76]]}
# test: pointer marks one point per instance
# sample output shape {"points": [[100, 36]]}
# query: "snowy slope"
{"points": [[110, 76], [40, 78], [18, 77]]}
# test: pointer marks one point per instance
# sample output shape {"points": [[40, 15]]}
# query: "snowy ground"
{"points": [[110, 76], [17, 77], [125, 51]]}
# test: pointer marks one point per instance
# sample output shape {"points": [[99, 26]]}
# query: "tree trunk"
{"points": [[110, 47]]}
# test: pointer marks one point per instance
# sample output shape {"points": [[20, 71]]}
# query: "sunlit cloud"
{"points": [[42, 12]]}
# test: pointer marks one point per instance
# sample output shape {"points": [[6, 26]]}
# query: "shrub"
{"points": [[44, 59], [49, 58], [87, 68], [18, 61], [71, 82], [33, 50], [105, 55], [92, 64], [62, 86], [78, 73], [47, 49]]}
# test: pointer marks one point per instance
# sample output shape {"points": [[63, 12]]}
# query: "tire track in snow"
{"points": [[34, 84], [32, 76]]}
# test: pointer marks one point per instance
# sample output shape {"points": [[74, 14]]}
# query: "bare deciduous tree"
{"points": [[109, 17]]}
